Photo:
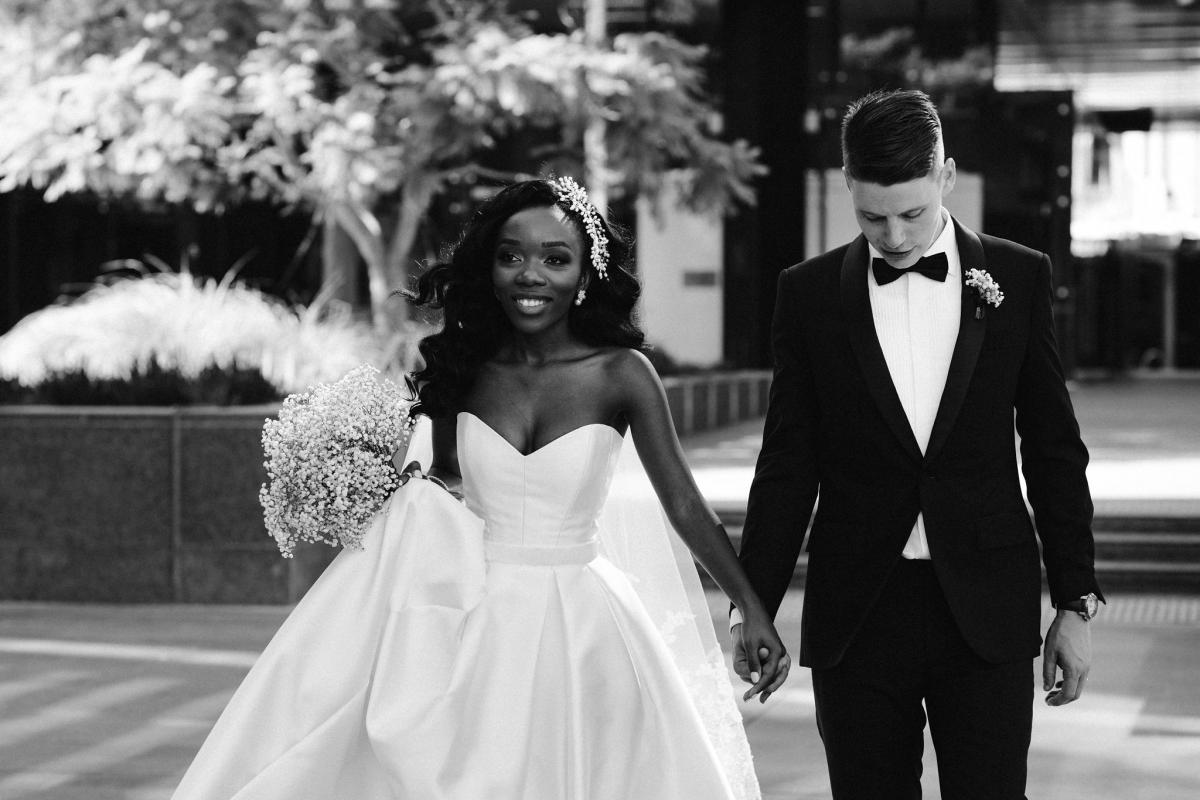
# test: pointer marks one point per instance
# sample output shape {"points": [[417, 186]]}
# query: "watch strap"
{"points": [[1086, 606]]}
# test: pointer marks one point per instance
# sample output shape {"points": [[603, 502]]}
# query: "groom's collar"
{"points": [[970, 248]]}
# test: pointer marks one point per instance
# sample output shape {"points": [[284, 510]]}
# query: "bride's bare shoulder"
{"points": [[631, 371], [628, 363]]}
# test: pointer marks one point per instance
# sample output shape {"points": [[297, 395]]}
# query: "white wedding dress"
{"points": [[481, 654]]}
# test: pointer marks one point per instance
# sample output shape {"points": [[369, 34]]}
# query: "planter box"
{"points": [[161, 504], [139, 505]]}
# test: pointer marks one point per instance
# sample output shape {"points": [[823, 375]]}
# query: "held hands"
{"points": [[1069, 648], [759, 657]]}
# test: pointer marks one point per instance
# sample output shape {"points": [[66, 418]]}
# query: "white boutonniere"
{"points": [[986, 290]]}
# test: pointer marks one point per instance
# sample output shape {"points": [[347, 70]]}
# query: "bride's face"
{"points": [[537, 268]]}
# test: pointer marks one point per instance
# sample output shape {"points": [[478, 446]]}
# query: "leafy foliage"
{"points": [[895, 58], [135, 129], [363, 110]]}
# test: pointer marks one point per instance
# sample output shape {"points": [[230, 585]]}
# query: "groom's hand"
{"points": [[1069, 648], [766, 671]]}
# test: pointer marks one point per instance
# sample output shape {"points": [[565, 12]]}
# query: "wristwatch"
{"points": [[1087, 606]]}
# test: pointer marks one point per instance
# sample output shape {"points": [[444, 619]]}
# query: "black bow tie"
{"points": [[934, 266]]}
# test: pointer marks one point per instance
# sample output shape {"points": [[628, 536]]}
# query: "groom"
{"points": [[900, 362]]}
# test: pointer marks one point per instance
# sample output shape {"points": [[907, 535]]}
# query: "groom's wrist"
{"points": [[735, 618]]}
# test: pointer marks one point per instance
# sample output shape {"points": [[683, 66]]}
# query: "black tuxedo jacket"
{"points": [[835, 426]]}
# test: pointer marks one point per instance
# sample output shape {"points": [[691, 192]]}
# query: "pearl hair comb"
{"points": [[575, 197]]}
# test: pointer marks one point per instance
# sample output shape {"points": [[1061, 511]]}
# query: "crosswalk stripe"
{"points": [[33, 684], [77, 708], [241, 659], [153, 733]]}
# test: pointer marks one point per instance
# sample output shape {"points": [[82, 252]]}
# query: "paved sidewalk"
{"points": [[101, 702], [1134, 735], [111, 703]]}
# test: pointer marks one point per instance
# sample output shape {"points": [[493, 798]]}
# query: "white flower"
{"points": [[328, 459], [985, 286]]}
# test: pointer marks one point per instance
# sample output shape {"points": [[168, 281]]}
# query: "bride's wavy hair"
{"points": [[474, 325]]}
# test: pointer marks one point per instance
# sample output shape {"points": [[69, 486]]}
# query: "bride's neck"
{"points": [[545, 347]]}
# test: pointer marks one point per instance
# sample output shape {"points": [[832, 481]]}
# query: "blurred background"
{"points": [[206, 205], [338, 145]]}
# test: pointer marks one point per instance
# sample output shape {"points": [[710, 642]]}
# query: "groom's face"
{"points": [[903, 219]]}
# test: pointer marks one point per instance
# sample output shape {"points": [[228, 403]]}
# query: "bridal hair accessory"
{"points": [[329, 459], [986, 290], [575, 197]]}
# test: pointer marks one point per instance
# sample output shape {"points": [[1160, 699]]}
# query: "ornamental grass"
{"points": [[170, 338]]}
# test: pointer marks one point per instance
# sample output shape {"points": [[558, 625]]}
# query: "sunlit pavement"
{"points": [[111, 703], [1134, 735], [1143, 438], [103, 702]]}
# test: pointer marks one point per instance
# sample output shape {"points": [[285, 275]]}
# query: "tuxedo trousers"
{"points": [[909, 663]]}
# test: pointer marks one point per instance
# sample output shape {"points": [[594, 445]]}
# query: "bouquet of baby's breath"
{"points": [[329, 459]]}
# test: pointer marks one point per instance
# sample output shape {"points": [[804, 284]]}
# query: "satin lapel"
{"points": [[865, 343], [966, 347]]}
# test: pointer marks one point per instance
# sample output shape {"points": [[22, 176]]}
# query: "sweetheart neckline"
{"points": [[537, 450]]}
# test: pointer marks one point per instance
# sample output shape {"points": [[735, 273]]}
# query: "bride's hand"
{"points": [[759, 652], [414, 470]]}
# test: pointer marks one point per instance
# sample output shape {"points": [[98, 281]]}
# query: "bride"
{"points": [[505, 649]]}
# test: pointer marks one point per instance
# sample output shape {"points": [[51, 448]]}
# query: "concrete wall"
{"points": [[161, 505], [680, 256], [137, 505]]}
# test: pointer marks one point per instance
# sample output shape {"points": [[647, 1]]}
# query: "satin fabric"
{"points": [[470, 652]]}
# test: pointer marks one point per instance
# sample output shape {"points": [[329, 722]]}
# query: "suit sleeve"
{"points": [[785, 479], [1053, 457]]}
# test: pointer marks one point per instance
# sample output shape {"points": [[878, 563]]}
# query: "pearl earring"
{"points": [[580, 295]]}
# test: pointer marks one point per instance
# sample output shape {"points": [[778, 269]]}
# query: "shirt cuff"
{"points": [[735, 618]]}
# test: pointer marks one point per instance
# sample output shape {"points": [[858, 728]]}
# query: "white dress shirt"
{"points": [[916, 320]]}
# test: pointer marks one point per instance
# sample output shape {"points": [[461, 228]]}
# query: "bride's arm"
{"points": [[445, 453], [443, 467], [645, 404]]}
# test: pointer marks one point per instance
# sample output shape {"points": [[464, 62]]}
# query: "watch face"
{"points": [[1091, 605]]}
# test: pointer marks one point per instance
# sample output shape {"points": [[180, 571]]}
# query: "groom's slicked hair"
{"points": [[890, 137]]}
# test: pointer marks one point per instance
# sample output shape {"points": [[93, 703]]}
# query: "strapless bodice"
{"points": [[542, 507]]}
